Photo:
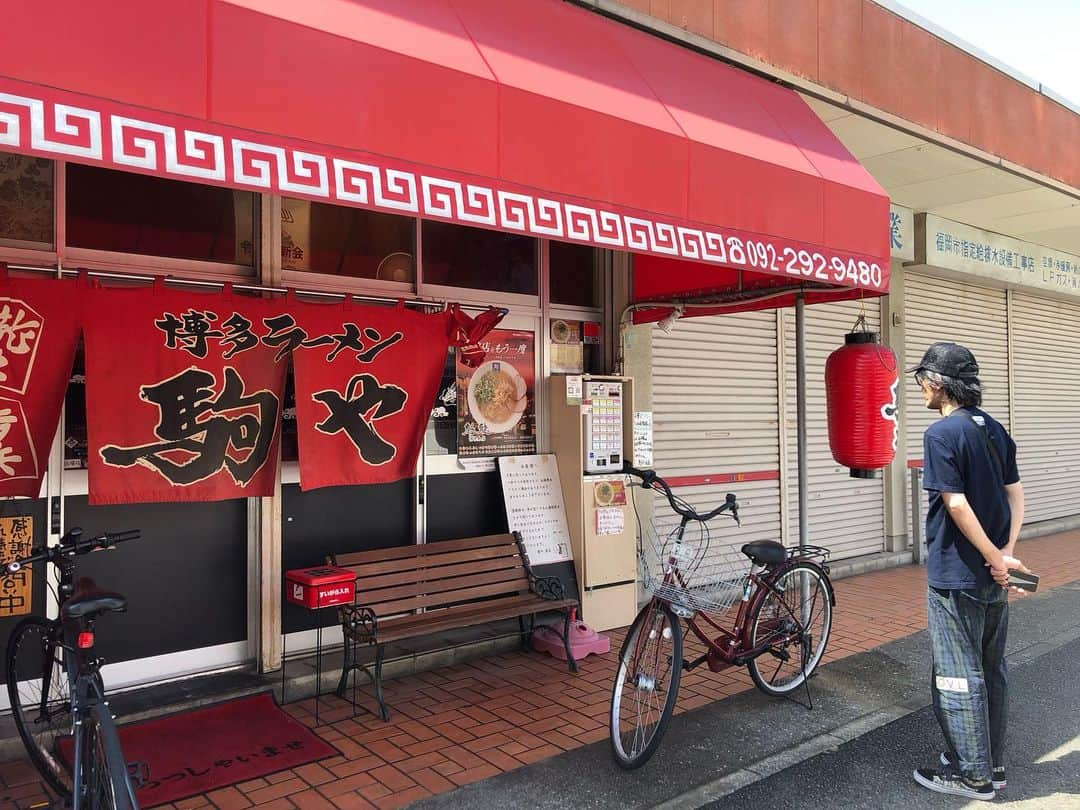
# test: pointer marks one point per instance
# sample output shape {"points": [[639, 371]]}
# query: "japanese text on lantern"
{"points": [[16, 540]]}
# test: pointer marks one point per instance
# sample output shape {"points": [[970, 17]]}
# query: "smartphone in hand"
{"points": [[1024, 581]]}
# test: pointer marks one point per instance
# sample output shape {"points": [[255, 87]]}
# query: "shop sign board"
{"points": [[901, 233], [16, 540], [532, 495], [956, 246]]}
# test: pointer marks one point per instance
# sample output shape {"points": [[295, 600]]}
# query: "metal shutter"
{"points": [[715, 397], [1046, 376], [846, 515], [939, 309]]}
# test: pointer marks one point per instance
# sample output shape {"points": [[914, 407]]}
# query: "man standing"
{"points": [[976, 509]]}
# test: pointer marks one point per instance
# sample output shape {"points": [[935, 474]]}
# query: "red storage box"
{"points": [[320, 587]]}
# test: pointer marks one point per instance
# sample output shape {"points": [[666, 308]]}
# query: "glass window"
{"points": [[26, 201], [340, 241], [134, 213], [485, 260], [575, 275]]}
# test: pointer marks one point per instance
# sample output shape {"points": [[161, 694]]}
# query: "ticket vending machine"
{"points": [[591, 430]]}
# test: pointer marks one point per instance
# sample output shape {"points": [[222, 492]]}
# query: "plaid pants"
{"points": [[968, 684]]}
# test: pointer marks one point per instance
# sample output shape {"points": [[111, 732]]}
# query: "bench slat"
{"points": [[439, 572], [451, 597], [442, 546], [424, 624], [421, 563], [378, 593]]}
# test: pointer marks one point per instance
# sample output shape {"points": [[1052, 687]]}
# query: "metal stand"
{"points": [[319, 608]]}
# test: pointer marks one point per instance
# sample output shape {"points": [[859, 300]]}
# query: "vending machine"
{"points": [[591, 429]]}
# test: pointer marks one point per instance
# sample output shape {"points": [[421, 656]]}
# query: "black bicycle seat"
{"points": [[765, 552], [89, 601]]}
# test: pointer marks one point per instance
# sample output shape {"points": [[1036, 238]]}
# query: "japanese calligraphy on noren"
{"points": [[202, 431], [194, 330], [357, 413], [16, 540], [39, 330]]}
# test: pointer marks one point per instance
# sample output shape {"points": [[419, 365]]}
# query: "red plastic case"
{"points": [[324, 586]]}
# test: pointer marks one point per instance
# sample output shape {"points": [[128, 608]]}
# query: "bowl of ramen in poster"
{"points": [[497, 396]]}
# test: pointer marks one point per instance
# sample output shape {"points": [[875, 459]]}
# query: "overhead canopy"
{"points": [[530, 116]]}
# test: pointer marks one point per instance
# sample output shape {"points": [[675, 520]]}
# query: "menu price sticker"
{"points": [[610, 520], [532, 496], [574, 388], [643, 439]]}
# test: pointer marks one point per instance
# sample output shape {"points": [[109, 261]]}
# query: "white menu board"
{"points": [[643, 439], [533, 498]]}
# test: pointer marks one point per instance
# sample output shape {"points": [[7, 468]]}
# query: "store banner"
{"points": [[40, 321], [497, 398], [183, 394], [366, 379]]}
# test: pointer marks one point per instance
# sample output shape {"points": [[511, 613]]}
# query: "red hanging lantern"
{"points": [[861, 381]]}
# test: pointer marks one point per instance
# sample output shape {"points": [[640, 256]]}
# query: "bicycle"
{"points": [[55, 688], [785, 615]]}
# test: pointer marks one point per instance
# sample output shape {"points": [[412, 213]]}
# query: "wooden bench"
{"points": [[411, 591]]}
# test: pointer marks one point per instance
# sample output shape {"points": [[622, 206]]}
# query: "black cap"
{"points": [[949, 360]]}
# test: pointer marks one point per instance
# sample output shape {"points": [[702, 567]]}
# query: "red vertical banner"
{"points": [[366, 378], [40, 321], [183, 394]]}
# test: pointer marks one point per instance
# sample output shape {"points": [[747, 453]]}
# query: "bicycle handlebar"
{"points": [[650, 480], [72, 544]]}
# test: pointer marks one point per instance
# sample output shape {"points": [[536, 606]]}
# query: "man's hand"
{"points": [[1000, 572]]}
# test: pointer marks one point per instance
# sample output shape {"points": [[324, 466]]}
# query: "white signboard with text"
{"points": [[533, 498], [971, 250]]}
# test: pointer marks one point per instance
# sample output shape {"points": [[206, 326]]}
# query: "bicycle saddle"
{"points": [[765, 552], [89, 600]]}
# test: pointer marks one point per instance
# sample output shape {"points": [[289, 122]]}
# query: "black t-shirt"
{"points": [[956, 458]]}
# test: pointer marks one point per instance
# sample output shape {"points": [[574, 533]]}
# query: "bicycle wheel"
{"points": [[105, 780], [646, 684], [795, 621], [40, 697]]}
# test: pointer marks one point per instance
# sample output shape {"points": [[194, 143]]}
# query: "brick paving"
{"points": [[464, 723]]}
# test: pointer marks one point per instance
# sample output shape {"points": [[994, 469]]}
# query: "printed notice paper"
{"points": [[533, 498]]}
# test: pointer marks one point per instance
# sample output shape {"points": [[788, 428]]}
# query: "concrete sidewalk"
{"points": [[710, 753], [516, 729]]}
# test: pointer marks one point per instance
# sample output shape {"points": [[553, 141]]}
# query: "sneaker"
{"points": [[998, 780], [949, 781]]}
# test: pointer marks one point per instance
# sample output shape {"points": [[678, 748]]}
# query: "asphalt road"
{"points": [[874, 771]]}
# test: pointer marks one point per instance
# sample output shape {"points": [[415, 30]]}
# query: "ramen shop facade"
{"points": [[480, 171]]}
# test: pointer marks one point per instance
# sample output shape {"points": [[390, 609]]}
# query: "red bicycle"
{"points": [[779, 633]]}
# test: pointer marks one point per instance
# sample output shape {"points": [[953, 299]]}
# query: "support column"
{"points": [[264, 514], [897, 475], [800, 408]]}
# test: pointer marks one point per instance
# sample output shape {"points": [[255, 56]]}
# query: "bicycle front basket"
{"points": [[693, 573]]}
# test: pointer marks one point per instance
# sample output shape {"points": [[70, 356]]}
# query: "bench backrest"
{"points": [[435, 575]]}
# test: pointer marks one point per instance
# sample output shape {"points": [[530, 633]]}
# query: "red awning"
{"points": [[532, 116]]}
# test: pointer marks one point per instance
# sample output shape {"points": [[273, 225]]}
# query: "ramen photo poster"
{"points": [[496, 400]]}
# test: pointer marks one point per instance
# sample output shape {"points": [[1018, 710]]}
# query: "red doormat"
{"points": [[206, 749]]}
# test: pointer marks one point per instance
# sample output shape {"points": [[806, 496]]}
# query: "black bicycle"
{"points": [[55, 688]]}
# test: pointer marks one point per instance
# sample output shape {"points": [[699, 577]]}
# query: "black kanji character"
{"points": [[284, 333], [355, 414], [239, 336], [379, 346], [184, 400], [191, 333]]}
